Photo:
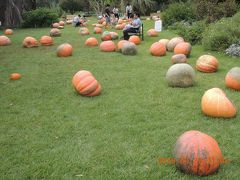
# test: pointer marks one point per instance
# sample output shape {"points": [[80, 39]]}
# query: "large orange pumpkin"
{"points": [[4, 41], [120, 44], [54, 32], [46, 41], [83, 31], [207, 64], [55, 25], [216, 104], [197, 153], [173, 42], [107, 46], [135, 39], [232, 79], [92, 41], [15, 76], [64, 50], [86, 84], [97, 30], [158, 49], [183, 48], [30, 42], [8, 32], [152, 33]]}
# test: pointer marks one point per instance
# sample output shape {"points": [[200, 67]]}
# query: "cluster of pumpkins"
{"points": [[195, 152]]}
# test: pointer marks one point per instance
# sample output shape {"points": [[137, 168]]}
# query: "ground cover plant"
{"points": [[49, 131]]}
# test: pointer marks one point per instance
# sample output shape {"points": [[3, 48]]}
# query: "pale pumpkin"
{"points": [[152, 33], [61, 23], [232, 79], [54, 32], [106, 36], [83, 31], [114, 35], [55, 25], [129, 48], [164, 41], [173, 42]]}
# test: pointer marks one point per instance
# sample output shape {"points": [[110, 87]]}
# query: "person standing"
{"points": [[108, 14], [128, 10], [115, 12]]}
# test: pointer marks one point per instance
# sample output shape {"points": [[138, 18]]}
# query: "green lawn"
{"points": [[48, 131]]}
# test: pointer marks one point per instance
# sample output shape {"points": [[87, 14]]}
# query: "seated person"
{"points": [[133, 27], [76, 20]]}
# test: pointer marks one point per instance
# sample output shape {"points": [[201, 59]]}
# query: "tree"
{"points": [[70, 5]]}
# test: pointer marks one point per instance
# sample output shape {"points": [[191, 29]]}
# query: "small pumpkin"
{"points": [[30, 42], [135, 39], [83, 31], [164, 41], [106, 36], [92, 41], [173, 42], [15, 76], [55, 25], [8, 32], [216, 104], [183, 48], [107, 46], [207, 64], [114, 35], [54, 32], [86, 84], [120, 44], [232, 79], [179, 58], [46, 41], [97, 30], [158, 49], [61, 23], [129, 48], [64, 50], [4, 41], [152, 33], [180, 75], [197, 153]]}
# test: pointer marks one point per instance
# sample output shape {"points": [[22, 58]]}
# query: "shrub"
{"points": [[177, 12], [41, 17], [222, 34]]}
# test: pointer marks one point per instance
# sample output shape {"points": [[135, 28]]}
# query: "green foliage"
{"points": [[70, 6], [177, 12], [222, 34], [41, 17]]}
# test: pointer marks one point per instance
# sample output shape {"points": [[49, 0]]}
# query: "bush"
{"points": [[41, 17], [222, 34], [177, 12]]}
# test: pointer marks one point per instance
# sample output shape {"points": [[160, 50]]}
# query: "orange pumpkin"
{"points": [[183, 48], [232, 78], [86, 84], [30, 42], [158, 49], [152, 33], [173, 42], [207, 64], [4, 41], [106, 36], [55, 25], [216, 104], [179, 58], [92, 41], [120, 44], [97, 30], [8, 32], [197, 153], [119, 27], [64, 50], [54, 32], [120, 21], [135, 39], [107, 46], [99, 25], [83, 31], [15, 76], [61, 23], [46, 41]]}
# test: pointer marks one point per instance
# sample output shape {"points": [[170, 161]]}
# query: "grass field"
{"points": [[48, 131]]}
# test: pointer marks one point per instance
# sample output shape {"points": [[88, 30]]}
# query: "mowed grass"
{"points": [[48, 131]]}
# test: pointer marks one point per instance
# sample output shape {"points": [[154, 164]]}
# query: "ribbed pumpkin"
{"points": [[61, 23], [15, 76], [54, 32], [152, 33], [92, 41], [180, 75], [216, 104], [86, 84], [164, 41], [64, 50], [120, 44], [129, 48], [158, 49], [179, 58], [135, 39], [4, 41], [107, 46], [97, 30], [197, 153], [8, 32], [83, 31], [207, 64], [46, 41], [55, 25], [30, 42], [106, 36], [119, 27], [232, 79], [183, 48], [114, 35], [173, 42]]}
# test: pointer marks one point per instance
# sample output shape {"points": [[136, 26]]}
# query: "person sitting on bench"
{"points": [[134, 27]]}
